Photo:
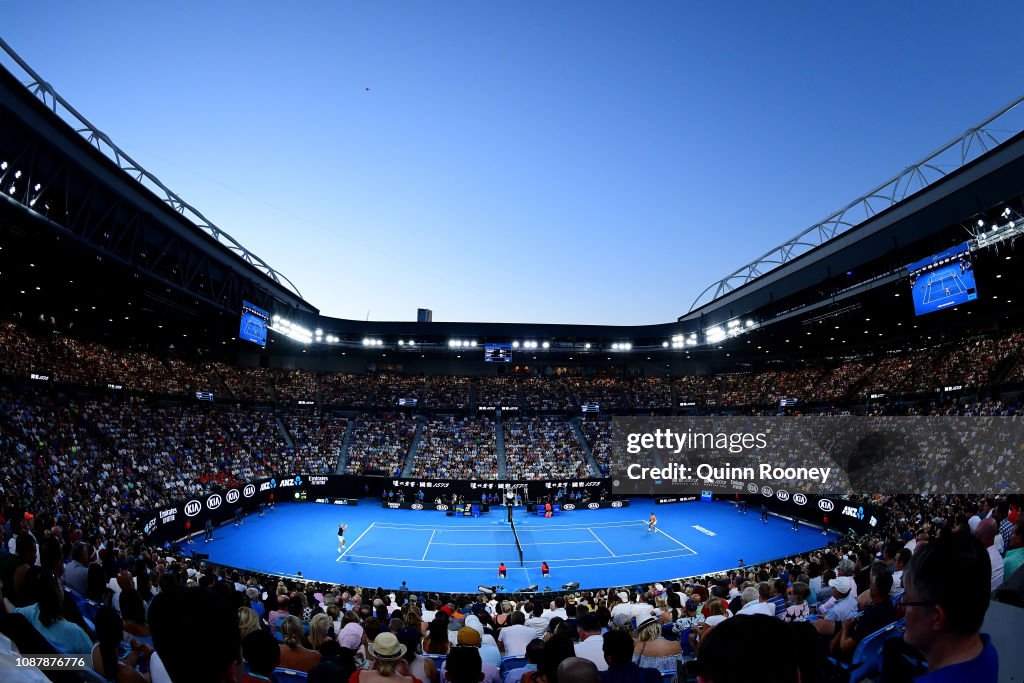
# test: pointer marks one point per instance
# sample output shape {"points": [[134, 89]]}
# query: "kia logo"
{"points": [[214, 501], [568, 506], [193, 508], [782, 495], [799, 499], [249, 491], [233, 496], [826, 505], [593, 506], [417, 506], [752, 488], [617, 504], [767, 491], [442, 508]]}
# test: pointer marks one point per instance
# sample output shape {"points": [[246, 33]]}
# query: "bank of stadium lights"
{"points": [[622, 346], [679, 341], [461, 344], [713, 335], [403, 342], [369, 341], [528, 345], [290, 330]]}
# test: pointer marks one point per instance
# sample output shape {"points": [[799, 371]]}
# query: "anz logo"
{"points": [[249, 491], [193, 508], [232, 496], [851, 511], [214, 501]]}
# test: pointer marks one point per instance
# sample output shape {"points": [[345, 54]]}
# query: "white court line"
{"points": [[651, 555], [513, 544], [672, 539], [431, 540], [559, 566], [354, 542], [602, 543], [498, 527]]}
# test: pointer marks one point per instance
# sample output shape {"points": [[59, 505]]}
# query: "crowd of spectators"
{"points": [[967, 365], [317, 440], [380, 444], [447, 392], [296, 385], [347, 390], [702, 390], [928, 572], [598, 433], [607, 392], [456, 448], [543, 447], [498, 391], [389, 388], [547, 394], [250, 384], [648, 392]]}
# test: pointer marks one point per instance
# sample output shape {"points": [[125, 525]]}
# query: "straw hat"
{"points": [[386, 647]]}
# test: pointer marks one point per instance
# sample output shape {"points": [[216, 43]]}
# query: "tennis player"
{"points": [[652, 525], [342, 528]]}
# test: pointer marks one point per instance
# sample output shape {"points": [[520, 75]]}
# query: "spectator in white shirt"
{"points": [[591, 645], [513, 639], [557, 609], [988, 530], [538, 622], [755, 601]]}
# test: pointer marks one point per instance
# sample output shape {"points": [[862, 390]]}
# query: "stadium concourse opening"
{"points": [[433, 552]]}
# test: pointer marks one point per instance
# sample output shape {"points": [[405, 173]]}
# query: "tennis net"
{"points": [[519, 546]]}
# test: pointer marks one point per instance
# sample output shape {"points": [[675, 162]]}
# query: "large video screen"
{"points": [[498, 353], [253, 327], [943, 280]]}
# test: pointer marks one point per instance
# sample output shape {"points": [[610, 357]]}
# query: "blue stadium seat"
{"points": [[437, 659], [867, 658], [511, 662], [289, 675]]}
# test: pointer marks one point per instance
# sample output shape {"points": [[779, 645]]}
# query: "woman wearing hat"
{"points": [[652, 650], [385, 652]]}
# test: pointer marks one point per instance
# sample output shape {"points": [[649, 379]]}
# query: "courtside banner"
{"points": [[832, 456]]}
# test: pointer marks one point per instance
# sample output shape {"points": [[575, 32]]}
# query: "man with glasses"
{"points": [[947, 593]]}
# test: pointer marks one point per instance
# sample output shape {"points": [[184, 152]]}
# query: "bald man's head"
{"points": [[986, 531], [578, 670]]}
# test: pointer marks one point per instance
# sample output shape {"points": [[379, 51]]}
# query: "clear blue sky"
{"points": [[576, 162]]}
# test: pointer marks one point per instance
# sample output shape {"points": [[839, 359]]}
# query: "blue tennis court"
{"points": [[943, 284], [430, 551]]}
